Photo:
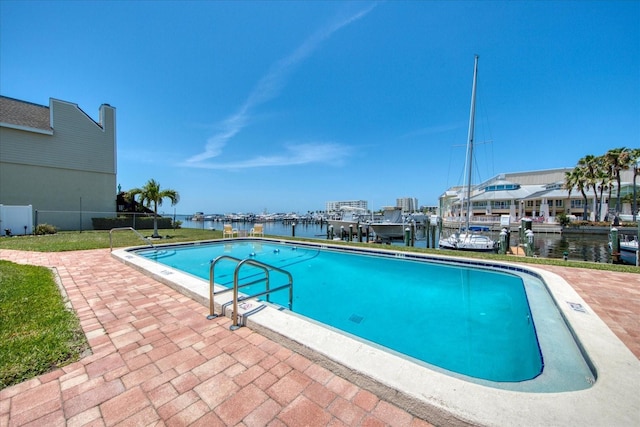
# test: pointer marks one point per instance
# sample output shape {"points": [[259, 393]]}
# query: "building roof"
{"points": [[24, 114], [521, 193]]}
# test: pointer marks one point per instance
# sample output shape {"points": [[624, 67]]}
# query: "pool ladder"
{"points": [[268, 290]]}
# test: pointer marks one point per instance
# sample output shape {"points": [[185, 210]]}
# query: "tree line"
{"points": [[603, 174]]}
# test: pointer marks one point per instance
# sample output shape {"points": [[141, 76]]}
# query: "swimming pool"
{"points": [[498, 327]]}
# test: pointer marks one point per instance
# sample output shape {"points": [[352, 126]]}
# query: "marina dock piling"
{"points": [[615, 246], [503, 241], [529, 243]]}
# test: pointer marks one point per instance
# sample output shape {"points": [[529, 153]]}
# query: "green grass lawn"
{"points": [[37, 332], [76, 240]]}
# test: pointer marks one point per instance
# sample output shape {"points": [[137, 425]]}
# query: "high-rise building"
{"points": [[337, 206], [408, 204]]}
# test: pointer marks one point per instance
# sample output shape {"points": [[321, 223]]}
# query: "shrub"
{"points": [[42, 229], [563, 219], [139, 223]]}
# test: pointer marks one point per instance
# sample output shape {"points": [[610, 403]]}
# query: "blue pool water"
{"points": [[471, 321]]}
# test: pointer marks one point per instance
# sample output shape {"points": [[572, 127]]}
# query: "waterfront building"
{"points": [[429, 209], [57, 159], [540, 195]]}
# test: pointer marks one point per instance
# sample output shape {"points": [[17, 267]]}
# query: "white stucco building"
{"points": [[533, 194]]}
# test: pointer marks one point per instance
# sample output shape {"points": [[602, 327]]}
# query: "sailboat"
{"points": [[467, 240]]}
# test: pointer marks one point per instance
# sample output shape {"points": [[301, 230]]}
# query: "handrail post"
{"points": [[211, 315], [267, 288], [234, 315], [212, 276], [290, 293]]}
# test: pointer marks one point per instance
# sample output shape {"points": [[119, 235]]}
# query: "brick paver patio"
{"points": [[156, 360]]}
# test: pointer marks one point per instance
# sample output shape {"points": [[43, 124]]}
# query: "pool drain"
{"points": [[355, 318]]}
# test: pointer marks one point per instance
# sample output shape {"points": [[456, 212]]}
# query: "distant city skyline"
{"points": [[285, 106]]}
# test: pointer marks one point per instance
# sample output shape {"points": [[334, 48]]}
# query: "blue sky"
{"points": [[283, 106]]}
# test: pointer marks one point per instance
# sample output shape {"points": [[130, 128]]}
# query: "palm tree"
{"points": [[576, 178], [151, 193], [589, 165], [635, 159], [618, 159], [603, 184]]}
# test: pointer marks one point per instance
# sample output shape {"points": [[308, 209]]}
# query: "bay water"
{"points": [[579, 247]]}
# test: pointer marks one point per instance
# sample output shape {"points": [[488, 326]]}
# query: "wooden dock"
{"points": [[516, 250]]}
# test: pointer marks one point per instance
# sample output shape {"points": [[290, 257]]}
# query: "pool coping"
{"points": [[436, 396]]}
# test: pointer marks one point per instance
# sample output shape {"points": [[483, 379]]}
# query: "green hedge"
{"points": [[141, 223]]}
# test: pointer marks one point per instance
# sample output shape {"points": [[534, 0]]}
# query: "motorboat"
{"points": [[349, 217], [629, 246], [471, 241], [628, 250], [393, 224]]}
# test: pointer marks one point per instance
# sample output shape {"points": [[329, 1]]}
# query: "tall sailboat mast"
{"points": [[469, 241], [472, 116]]}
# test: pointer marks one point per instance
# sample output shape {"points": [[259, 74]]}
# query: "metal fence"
{"points": [[85, 220]]}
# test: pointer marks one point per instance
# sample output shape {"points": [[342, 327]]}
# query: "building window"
{"points": [[501, 187], [575, 204]]}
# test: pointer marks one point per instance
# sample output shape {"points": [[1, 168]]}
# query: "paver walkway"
{"points": [[615, 297], [157, 360]]}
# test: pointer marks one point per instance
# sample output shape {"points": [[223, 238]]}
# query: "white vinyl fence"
{"points": [[16, 220]]}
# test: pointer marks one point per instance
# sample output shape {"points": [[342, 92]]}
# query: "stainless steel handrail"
{"points": [[132, 229], [264, 267], [212, 266]]}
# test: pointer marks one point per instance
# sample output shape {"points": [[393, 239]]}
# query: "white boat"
{"points": [[349, 216], [470, 239], [393, 224], [628, 250], [629, 246]]}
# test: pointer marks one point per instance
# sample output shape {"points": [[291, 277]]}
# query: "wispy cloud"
{"points": [[434, 130], [295, 154], [267, 88]]}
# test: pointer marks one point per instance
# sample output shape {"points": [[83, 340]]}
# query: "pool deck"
{"points": [[157, 360]]}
